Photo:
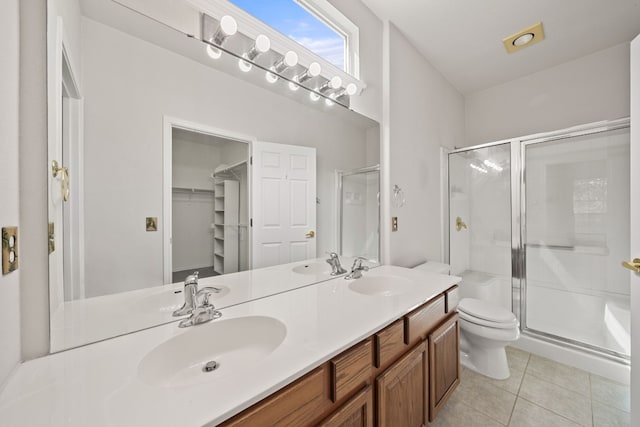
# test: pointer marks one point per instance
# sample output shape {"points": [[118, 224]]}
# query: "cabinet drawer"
{"points": [[421, 321], [389, 343], [351, 370], [298, 404], [451, 299]]}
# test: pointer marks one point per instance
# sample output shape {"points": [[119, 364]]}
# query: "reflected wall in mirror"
{"points": [[111, 98]]}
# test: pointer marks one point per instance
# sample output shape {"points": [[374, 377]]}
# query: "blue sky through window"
{"points": [[297, 23]]}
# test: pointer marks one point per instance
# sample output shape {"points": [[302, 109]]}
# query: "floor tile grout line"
{"points": [[589, 397], [551, 410], [524, 371]]}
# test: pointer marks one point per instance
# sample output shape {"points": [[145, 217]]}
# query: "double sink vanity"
{"points": [[378, 350]]}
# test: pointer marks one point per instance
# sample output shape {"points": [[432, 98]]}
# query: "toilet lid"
{"points": [[486, 311], [493, 325]]}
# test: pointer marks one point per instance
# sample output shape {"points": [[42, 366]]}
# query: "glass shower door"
{"points": [[480, 222], [575, 230], [359, 216]]}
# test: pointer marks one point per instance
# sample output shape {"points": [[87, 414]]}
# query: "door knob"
{"points": [[633, 265], [311, 234], [460, 224]]}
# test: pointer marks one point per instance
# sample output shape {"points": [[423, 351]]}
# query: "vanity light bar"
{"points": [[214, 33]]}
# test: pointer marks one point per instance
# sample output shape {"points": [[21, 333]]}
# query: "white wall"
{"points": [[588, 89], [9, 284], [125, 153], [426, 112]]}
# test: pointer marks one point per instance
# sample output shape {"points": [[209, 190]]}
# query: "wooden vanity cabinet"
{"points": [[444, 364], [400, 376], [402, 391], [357, 412]]}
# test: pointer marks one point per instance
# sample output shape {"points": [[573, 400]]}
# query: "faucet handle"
{"points": [[205, 293], [357, 263]]}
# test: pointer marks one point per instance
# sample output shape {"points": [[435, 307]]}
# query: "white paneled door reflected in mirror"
{"points": [[150, 201]]}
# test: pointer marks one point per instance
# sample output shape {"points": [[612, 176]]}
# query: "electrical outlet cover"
{"points": [[9, 249]]}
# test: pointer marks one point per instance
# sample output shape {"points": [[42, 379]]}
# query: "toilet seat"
{"points": [[484, 313]]}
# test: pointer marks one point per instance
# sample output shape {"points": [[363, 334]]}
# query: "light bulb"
{"points": [[227, 27], [244, 65], [263, 44], [213, 52], [271, 78], [314, 70], [314, 96], [293, 86], [332, 84], [352, 89], [291, 59], [328, 102], [523, 39]]}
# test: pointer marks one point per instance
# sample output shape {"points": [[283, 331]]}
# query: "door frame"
{"points": [[62, 83], [169, 123]]}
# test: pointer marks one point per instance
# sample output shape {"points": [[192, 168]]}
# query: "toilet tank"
{"points": [[434, 267], [486, 287]]}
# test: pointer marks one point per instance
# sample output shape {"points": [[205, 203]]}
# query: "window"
{"points": [[314, 24]]}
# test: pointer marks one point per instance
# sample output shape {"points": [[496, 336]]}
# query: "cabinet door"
{"points": [[357, 412], [402, 391], [444, 364]]}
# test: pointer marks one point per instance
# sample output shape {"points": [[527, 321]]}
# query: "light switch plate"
{"points": [[394, 223], [9, 249]]}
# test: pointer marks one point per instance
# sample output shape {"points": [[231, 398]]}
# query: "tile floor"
{"points": [[540, 392]]}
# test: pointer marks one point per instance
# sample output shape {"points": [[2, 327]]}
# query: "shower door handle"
{"points": [[633, 265]]}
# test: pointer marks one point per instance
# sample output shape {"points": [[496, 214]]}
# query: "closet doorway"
{"points": [[208, 222]]}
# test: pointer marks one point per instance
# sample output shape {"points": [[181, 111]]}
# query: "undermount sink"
{"points": [[385, 286], [233, 344], [312, 268]]}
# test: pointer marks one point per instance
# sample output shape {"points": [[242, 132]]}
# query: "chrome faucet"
{"points": [[357, 268], [334, 262], [191, 294], [201, 313]]}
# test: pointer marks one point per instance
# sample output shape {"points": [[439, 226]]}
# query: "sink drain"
{"points": [[210, 366]]}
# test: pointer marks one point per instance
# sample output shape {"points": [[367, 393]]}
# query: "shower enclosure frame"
{"points": [[339, 201], [518, 227]]}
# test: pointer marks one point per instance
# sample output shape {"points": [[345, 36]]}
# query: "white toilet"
{"points": [[485, 330]]}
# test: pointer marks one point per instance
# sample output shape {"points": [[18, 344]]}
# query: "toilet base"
{"points": [[490, 362]]}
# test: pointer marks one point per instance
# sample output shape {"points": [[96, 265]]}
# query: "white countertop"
{"points": [[89, 320], [99, 385]]}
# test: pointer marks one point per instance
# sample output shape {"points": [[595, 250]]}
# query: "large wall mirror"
{"points": [[153, 144]]}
